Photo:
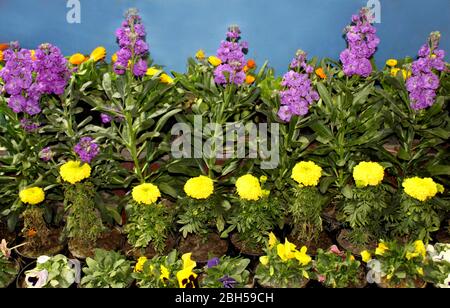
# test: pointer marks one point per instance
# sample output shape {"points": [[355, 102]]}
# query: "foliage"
{"points": [[35, 229], [108, 269], [52, 272], [234, 268]]}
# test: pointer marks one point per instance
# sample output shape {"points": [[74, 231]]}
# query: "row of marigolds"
{"points": [[390, 265]]}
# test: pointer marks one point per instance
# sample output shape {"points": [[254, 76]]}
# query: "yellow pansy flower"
{"points": [[264, 260], [165, 274], [302, 257], [140, 265], [272, 240], [366, 256], [286, 251], [381, 249], [166, 79]]}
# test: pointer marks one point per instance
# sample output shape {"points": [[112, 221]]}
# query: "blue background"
{"points": [[275, 29]]}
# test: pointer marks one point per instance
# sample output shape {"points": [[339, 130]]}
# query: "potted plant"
{"points": [[337, 269], [166, 272], [225, 272], [439, 254], [51, 272], [149, 222], [419, 212], [255, 215], [397, 265], [39, 237], [108, 269], [84, 224], [305, 206], [200, 212], [283, 266], [365, 208], [9, 268]]}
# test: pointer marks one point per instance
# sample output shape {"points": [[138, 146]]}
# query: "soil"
{"points": [[203, 250], [443, 237], [246, 249], [148, 252], [385, 284], [110, 241], [53, 247], [345, 243], [324, 242], [5, 234]]}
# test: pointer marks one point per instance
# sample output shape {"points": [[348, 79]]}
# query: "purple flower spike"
{"points": [[213, 262], [87, 149]]}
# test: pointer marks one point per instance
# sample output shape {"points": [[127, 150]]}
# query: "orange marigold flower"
{"points": [[77, 59], [320, 72], [251, 63], [249, 79]]}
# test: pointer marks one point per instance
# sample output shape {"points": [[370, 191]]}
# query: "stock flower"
{"points": [[366, 256], [420, 189], [307, 173], [368, 174], [140, 68], [139, 267], [286, 251], [321, 73], [77, 59], [33, 196], [250, 79], [214, 61], [201, 187], [200, 55], [362, 43], [87, 149], [165, 274], [249, 188], [272, 240], [146, 194], [302, 257], [392, 62], [166, 79], [381, 249], [98, 54], [75, 171], [264, 260], [152, 71]]}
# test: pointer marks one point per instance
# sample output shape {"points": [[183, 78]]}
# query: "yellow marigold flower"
{"points": [[264, 260], [392, 62], [98, 54], [165, 274], [201, 187], [214, 61], [381, 249], [250, 79], [75, 171], [272, 240], [368, 173], [139, 267], [321, 73], [420, 189], [249, 188], [152, 71], [1, 56], [166, 79], [286, 251], [77, 59], [33, 55], [146, 194], [114, 58], [33, 196], [394, 72], [200, 55], [302, 257], [366, 256], [307, 173]]}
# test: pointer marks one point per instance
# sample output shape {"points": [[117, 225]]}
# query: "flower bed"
{"points": [[124, 167]]}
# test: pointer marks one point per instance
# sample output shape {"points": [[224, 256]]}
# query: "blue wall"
{"points": [[275, 29]]}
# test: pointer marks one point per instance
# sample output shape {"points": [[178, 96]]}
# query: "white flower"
{"points": [[431, 251], [42, 259], [446, 284]]}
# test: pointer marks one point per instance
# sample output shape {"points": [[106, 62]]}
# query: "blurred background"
{"points": [[178, 28]]}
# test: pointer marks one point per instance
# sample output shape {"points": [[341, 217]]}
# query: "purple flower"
{"points": [[46, 154], [362, 44], [213, 262], [423, 83], [133, 47], [29, 126], [228, 282], [106, 118], [87, 149], [225, 73]]}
